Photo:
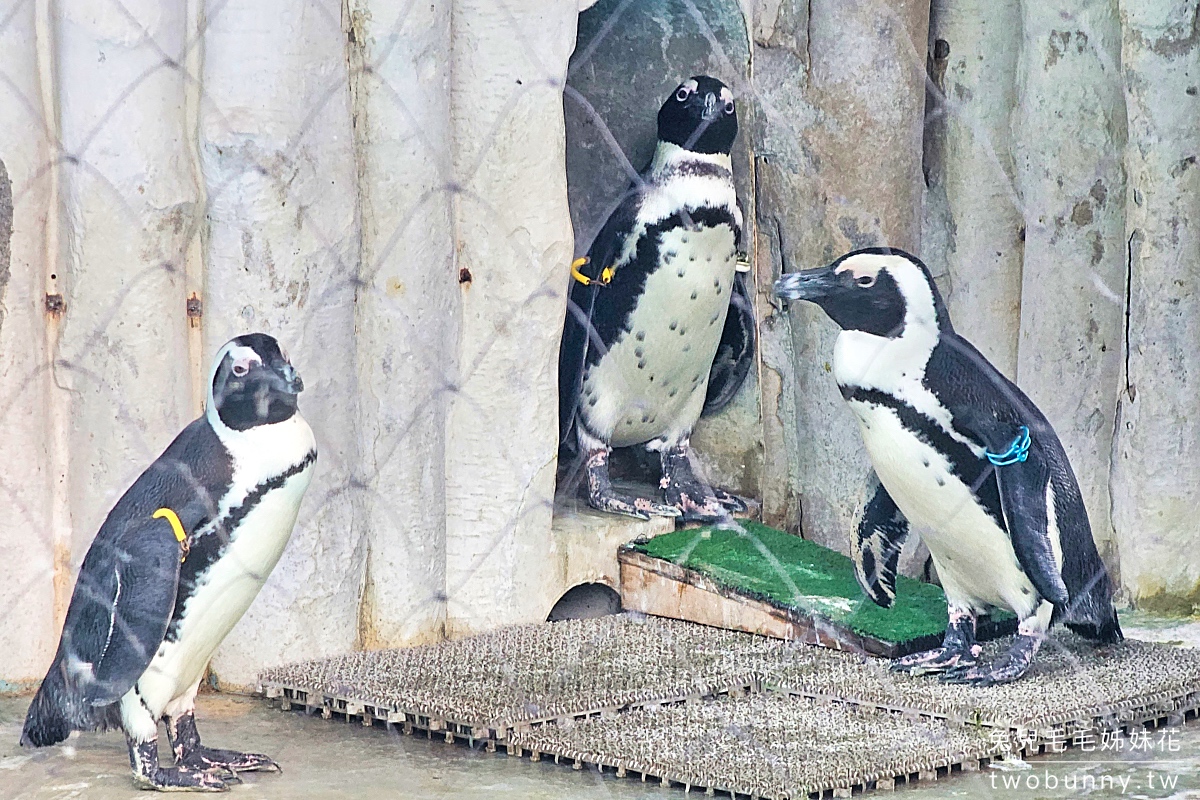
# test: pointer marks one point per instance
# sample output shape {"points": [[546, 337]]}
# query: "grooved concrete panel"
{"points": [[1156, 456], [386, 187], [1074, 271], [276, 155], [32, 532]]}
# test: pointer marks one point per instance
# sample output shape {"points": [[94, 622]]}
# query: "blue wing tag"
{"points": [[1017, 452]]}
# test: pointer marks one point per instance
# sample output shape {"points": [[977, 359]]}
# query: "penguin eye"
{"points": [[240, 369], [865, 281], [682, 93], [728, 106]]}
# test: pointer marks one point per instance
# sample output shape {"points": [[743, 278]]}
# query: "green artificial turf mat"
{"points": [[788, 571]]}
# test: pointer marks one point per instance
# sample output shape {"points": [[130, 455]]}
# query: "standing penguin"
{"points": [[175, 565], [959, 450], [650, 341]]}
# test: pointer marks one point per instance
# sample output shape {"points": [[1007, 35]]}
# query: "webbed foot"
{"points": [[1005, 669], [147, 774], [210, 758], [603, 497], [958, 652], [697, 501], [189, 753]]}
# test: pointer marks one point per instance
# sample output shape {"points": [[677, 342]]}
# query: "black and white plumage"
{"points": [[175, 565], [663, 329], [930, 407]]}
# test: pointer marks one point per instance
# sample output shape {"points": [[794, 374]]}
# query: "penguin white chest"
{"points": [[974, 556], [272, 470], [653, 380]]}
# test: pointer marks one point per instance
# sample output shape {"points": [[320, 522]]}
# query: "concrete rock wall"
{"points": [[277, 163], [1073, 278], [380, 187], [386, 189], [32, 504], [407, 322], [838, 166], [979, 243], [1073, 274], [1155, 478], [513, 238]]}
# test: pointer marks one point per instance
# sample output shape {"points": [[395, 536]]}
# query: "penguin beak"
{"points": [[288, 381], [809, 284], [710, 107]]}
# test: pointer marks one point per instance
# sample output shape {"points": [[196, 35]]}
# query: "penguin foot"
{"points": [[697, 501], [950, 659], [733, 504], [182, 779], [603, 497], [696, 507], [639, 507], [147, 774], [956, 656], [211, 759], [189, 753], [1005, 669]]}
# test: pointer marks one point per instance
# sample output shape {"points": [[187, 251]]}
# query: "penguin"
{"points": [[176, 563], [958, 450], [659, 325]]}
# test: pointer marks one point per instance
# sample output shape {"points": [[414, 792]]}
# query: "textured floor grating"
{"points": [[765, 745], [531, 673], [735, 712], [1072, 687]]}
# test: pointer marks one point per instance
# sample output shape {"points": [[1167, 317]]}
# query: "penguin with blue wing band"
{"points": [[175, 565], [659, 326], [960, 452]]}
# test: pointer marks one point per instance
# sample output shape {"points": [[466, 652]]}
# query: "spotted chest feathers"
{"points": [[653, 380]]}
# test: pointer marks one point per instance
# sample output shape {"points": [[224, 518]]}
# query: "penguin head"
{"points": [[253, 383], [879, 290], [699, 116]]}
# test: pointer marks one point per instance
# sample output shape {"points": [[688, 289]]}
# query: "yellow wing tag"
{"points": [[177, 526], [606, 274]]}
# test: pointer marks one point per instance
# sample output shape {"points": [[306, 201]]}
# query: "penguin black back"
{"points": [[1000, 404]]}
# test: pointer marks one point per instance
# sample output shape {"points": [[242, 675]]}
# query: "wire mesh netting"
{"points": [[396, 191]]}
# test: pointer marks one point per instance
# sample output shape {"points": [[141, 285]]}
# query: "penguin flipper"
{"points": [[1023, 501], [145, 566], [875, 547], [580, 335], [735, 353], [572, 355]]}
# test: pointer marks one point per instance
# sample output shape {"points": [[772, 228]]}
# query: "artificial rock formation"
{"points": [[1155, 477]]}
